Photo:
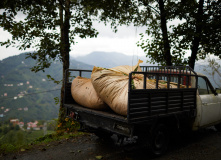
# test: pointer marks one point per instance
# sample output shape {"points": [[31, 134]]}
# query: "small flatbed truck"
{"points": [[152, 113]]}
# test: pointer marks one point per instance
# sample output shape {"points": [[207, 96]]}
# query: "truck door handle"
{"points": [[204, 103]]}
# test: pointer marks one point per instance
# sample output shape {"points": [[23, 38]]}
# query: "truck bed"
{"points": [[144, 105], [105, 113]]}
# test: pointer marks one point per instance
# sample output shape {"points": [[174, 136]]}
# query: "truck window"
{"points": [[203, 88]]}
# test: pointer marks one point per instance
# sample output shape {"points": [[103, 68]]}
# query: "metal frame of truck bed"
{"points": [[145, 106]]}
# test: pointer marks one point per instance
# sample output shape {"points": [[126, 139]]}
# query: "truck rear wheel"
{"points": [[218, 127], [159, 140], [103, 135]]}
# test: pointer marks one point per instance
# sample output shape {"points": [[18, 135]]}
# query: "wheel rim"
{"points": [[160, 140]]}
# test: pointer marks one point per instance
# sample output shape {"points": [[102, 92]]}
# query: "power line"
{"points": [[24, 82], [31, 94]]}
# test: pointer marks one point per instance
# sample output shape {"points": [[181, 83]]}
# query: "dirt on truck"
{"points": [[166, 99]]}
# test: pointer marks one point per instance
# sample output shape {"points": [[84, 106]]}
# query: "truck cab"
{"points": [[208, 104]]}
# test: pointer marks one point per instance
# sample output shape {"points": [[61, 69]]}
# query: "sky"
{"points": [[124, 41]]}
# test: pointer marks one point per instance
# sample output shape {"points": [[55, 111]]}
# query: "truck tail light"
{"points": [[74, 115]]}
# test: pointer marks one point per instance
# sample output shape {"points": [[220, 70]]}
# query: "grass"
{"points": [[14, 140], [33, 138], [55, 137], [35, 134]]}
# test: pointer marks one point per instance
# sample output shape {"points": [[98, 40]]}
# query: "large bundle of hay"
{"points": [[112, 85], [84, 94]]}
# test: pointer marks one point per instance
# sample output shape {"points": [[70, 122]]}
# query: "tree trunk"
{"points": [[197, 36], [166, 44], [65, 48]]}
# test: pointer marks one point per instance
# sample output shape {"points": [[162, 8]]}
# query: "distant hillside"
{"points": [[109, 59], [27, 95]]}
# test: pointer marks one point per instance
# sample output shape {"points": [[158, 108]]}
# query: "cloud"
{"points": [[123, 31], [114, 44], [124, 41], [10, 51]]}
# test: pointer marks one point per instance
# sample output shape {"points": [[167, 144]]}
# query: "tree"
{"points": [[190, 33], [5, 130], [214, 69], [49, 26], [156, 15], [201, 30], [25, 126], [17, 127], [150, 13], [198, 34]]}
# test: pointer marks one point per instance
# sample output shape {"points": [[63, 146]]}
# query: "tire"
{"points": [[159, 141], [218, 127], [103, 135]]}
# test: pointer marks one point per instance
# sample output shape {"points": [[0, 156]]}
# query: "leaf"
{"points": [[22, 149], [99, 157]]}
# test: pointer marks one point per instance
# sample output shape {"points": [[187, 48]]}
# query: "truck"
{"points": [[187, 101]]}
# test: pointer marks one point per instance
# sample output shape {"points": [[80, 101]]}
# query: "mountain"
{"points": [[27, 95], [109, 59]]}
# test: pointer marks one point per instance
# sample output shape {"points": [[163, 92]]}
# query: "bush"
{"points": [[69, 125]]}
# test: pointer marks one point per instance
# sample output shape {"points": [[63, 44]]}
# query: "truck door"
{"points": [[211, 105]]}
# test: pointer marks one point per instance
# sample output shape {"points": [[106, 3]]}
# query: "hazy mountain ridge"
{"points": [[28, 95], [110, 59]]}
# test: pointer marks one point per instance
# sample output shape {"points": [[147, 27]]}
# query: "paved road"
{"points": [[203, 145]]}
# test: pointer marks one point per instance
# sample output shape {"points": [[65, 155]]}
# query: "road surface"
{"points": [[203, 145]]}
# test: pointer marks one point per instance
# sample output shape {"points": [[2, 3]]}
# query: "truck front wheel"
{"points": [[159, 140]]}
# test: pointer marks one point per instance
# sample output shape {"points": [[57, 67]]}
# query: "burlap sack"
{"points": [[162, 84], [112, 85], [84, 94]]}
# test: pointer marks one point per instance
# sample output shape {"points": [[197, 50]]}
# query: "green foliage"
{"points": [[68, 125], [115, 12], [173, 27], [56, 99], [191, 31], [5, 130], [210, 24], [214, 69], [50, 27], [11, 138], [52, 79], [40, 104], [39, 27], [52, 124], [40, 99], [14, 138]]}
